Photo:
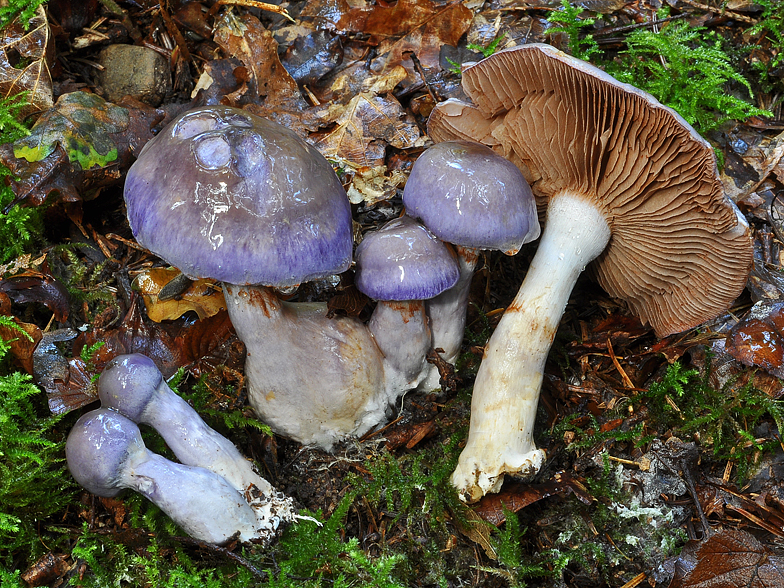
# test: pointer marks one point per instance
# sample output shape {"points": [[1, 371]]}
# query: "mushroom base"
{"points": [[506, 391], [311, 378]]}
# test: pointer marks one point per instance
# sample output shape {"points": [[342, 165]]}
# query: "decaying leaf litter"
{"points": [[643, 457]]}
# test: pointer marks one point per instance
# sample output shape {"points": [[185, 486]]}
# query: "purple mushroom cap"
{"points": [[97, 448], [224, 194], [470, 196], [128, 383], [404, 261]]}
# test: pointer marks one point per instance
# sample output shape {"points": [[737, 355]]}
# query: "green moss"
{"points": [[33, 481], [687, 69], [723, 420], [568, 21], [21, 229], [683, 67], [24, 9]]}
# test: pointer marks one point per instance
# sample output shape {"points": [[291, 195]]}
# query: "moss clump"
{"points": [[33, 481]]}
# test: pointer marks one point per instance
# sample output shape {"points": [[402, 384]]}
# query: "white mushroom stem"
{"points": [[198, 500], [402, 333], [196, 443], [506, 392], [447, 313], [311, 378]]}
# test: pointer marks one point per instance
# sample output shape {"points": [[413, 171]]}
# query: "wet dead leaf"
{"points": [[418, 26], [311, 57], [728, 559], [135, 334], [67, 382], [410, 434], [515, 496], [22, 346], [83, 124], [39, 288], [25, 56], [246, 39], [81, 134], [204, 297], [46, 569], [206, 344], [758, 340]]}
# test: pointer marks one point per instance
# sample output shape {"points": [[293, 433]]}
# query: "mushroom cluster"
{"points": [[473, 198], [223, 194], [625, 185], [214, 494]]}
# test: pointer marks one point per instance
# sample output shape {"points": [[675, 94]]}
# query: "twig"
{"points": [[720, 11], [639, 25], [261, 574], [253, 4]]}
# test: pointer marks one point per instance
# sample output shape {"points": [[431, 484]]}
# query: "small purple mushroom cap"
{"points": [[128, 383], [98, 446], [404, 261], [470, 196], [224, 194]]}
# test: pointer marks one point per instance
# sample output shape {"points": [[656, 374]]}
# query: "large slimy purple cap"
{"points": [[224, 194], [404, 261], [470, 196], [128, 383], [98, 447]]}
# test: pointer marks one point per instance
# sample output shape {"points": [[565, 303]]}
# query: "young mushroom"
{"points": [[473, 198], [222, 193], [106, 454], [401, 265], [628, 185], [133, 386]]}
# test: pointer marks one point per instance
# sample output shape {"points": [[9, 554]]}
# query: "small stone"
{"points": [[134, 71]]}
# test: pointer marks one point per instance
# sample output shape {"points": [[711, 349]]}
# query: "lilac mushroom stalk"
{"points": [[133, 386], [473, 198], [224, 194], [106, 454], [628, 187], [401, 265]]}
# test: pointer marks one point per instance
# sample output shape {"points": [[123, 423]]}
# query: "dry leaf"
{"points": [[374, 185], [368, 124], [33, 48], [478, 531], [204, 297]]}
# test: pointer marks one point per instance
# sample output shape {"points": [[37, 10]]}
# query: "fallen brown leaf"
{"points": [[730, 558], [368, 123], [758, 340], [204, 297], [36, 287], [25, 57], [418, 26], [21, 346], [516, 495], [246, 39]]}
